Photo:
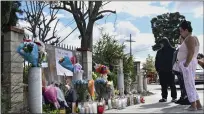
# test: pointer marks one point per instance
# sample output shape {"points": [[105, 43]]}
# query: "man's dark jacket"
{"points": [[164, 58]]}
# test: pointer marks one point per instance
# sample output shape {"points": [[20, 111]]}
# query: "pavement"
{"points": [[152, 105]]}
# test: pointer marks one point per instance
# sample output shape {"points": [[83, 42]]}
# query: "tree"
{"points": [[107, 50], [39, 24], [93, 14], [9, 10], [148, 66], [167, 26]]}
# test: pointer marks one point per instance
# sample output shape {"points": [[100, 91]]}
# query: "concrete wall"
{"points": [[51, 72], [87, 64], [12, 84]]}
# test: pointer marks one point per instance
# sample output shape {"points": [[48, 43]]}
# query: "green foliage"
{"points": [[26, 71], [9, 10], [107, 51], [48, 110], [128, 67], [167, 26], [95, 75], [148, 66], [113, 77]]}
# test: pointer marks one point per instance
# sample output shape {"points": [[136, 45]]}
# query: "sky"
{"points": [[131, 18]]}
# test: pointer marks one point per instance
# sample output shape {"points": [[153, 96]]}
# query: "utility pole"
{"points": [[130, 44]]}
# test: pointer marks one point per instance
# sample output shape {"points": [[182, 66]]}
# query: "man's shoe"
{"points": [[185, 102], [162, 100], [173, 100], [179, 101]]}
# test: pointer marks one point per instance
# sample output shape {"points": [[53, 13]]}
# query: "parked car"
{"points": [[199, 77]]}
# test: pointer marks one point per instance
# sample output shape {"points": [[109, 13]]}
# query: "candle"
{"points": [[87, 111], [109, 104], [119, 104], [94, 107], [135, 100], [82, 110], [90, 108]]}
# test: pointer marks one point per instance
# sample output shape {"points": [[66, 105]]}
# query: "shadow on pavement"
{"points": [[179, 88], [179, 109], [155, 105]]}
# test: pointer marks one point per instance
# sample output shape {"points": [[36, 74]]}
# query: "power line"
{"points": [[71, 32], [76, 27]]}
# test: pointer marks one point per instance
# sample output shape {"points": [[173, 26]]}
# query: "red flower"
{"points": [[102, 69]]}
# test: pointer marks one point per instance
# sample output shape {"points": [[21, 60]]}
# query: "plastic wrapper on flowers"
{"points": [[29, 51], [101, 87], [51, 95], [81, 87], [77, 68], [66, 63]]}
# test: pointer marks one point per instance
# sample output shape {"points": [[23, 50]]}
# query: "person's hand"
{"points": [[185, 64]]}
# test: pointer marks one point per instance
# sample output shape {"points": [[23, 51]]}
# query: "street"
{"points": [[152, 105]]}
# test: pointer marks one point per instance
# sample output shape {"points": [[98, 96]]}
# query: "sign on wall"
{"points": [[59, 53]]}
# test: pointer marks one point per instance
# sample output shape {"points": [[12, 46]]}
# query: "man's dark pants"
{"points": [[167, 79], [181, 83]]}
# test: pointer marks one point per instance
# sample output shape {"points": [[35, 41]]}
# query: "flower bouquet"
{"points": [[42, 54], [29, 51], [33, 52], [101, 87], [91, 88], [66, 63], [102, 69], [81, 87], [78, 72]]}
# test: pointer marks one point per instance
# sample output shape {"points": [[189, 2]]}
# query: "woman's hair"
{"points": [[186, 25]]}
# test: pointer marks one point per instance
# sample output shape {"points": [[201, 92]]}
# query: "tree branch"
{"points": [[106, 11], [77, 18], [64, 3], [99, 17], [56, 41]]}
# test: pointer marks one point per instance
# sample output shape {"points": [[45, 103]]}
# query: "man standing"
{"points": [[163, 65]]}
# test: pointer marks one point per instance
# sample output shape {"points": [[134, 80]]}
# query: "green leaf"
{"points": [[166, 26]]}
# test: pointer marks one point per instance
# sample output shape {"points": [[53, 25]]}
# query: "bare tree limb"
{"points": [[38, 20], [106, 11], [99, 17], [64, 3]]}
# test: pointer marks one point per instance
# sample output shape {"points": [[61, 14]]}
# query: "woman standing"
{"points": [[187, 58], [176, 70]]}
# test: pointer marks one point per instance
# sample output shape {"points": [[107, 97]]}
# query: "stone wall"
{"points": [[12, 82]]}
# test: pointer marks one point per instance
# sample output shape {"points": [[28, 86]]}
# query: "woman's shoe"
{"points": [[200, 108], [190, 108]]}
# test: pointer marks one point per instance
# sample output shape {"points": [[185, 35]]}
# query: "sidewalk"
{"points": [[152, 105]]}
